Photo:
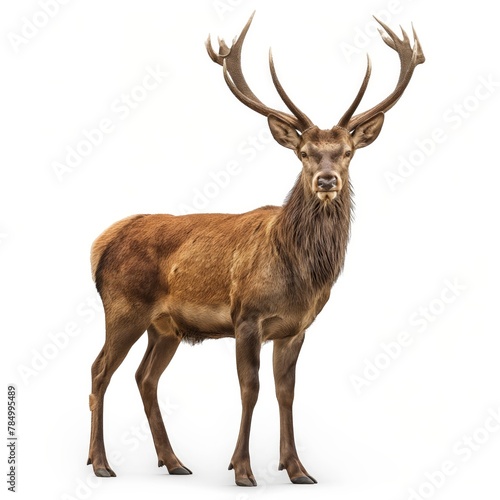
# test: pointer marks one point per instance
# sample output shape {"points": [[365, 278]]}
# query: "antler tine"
{"points": [[255, 104], [223, 50], [420, 53], [348, 114], [409, 57], [230, 59], [402, 47], [302, 117]]}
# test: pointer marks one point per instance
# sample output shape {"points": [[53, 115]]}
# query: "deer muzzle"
{"points": [[327, 185]]}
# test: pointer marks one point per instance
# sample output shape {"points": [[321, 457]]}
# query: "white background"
{"points": [[437, 226]]}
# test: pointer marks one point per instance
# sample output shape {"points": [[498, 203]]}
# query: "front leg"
{"points": [[285, 354], [248, 345]]}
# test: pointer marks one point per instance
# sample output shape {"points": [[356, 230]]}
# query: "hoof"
{"points": [[245, 478], [102, 472], [180, 471], [246, 481], [304, 480]]}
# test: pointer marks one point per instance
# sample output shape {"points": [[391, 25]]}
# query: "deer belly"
{"points": [[195, 322]]}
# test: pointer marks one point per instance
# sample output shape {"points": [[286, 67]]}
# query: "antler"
{"points": [[409, 57], [230, 60]]}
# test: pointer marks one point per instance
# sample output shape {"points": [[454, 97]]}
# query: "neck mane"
{"points": [[311, 237]]}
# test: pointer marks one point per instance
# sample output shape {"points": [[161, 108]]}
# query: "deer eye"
{"points": [[303, 154], [348, 154]]}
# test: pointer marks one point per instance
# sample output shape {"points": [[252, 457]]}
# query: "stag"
{"points": [[258, 276]]}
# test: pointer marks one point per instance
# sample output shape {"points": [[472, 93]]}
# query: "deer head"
{"points": [[325, 154]]}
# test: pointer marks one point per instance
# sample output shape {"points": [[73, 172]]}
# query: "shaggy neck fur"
{"points": [[311, 237]]}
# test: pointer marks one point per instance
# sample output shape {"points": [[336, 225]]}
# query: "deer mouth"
{"points": [[326, 196]]}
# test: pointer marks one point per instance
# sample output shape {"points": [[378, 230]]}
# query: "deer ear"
{"points": [[285, 134], [368, 131]]}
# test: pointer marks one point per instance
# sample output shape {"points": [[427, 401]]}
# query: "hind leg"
{"points": [[161, 348], [120, 337]]}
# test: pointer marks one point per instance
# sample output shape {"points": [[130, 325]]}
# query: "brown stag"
{"points": [[257, 276]]}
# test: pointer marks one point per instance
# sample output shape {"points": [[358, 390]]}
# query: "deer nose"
{"points": [[327, 182]]}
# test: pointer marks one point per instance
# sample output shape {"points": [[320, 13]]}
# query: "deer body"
{"points": [[259, 276], [200, 274]]}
